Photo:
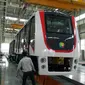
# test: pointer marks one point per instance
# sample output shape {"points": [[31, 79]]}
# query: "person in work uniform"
{"points": [[27, 67]]}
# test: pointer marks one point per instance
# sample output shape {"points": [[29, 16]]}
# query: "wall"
{"points": [[9, 37], [82, 37], [82, 31]]}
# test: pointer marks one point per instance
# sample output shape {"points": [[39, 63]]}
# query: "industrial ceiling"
{"points": [[15, 13]]}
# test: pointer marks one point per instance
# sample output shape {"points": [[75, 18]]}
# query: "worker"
{"points": [[27, 68]]}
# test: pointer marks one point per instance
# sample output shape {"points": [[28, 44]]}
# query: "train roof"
{"points": [[55, 12]]}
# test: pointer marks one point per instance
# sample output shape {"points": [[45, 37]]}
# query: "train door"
{"points": [[32, 44], [32, 36]]}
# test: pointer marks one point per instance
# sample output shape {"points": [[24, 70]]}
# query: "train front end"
{"points": [[57, 43]]}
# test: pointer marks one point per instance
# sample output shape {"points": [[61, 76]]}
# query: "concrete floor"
{"points": [[8, 74]]}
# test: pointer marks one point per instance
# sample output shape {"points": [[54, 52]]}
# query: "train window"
{"points": [[27, 31], [32, 35], [20, 42], [59, 24], [26, 37], [17, 43]]}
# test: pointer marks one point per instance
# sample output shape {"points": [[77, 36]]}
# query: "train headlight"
{"points": [[43, 60], [43, 66], [75, 61], [75, 67]]}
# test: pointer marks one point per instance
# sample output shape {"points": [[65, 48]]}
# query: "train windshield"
{"points": [[58, 24]]}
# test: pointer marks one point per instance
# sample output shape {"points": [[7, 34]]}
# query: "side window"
{"points": [[32, 34], [26, 37], [27, 32]]}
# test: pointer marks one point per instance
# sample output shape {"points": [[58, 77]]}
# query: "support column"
{"points": [[0, 36], [2, 24]]}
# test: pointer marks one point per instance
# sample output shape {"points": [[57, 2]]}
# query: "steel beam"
{"points": [[63, 4], [78, 2], [17, 26]]}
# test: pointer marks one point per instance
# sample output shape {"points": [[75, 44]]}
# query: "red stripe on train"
{"points": [[74, 28]]}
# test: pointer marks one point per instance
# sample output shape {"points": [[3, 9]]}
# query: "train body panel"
{"points": [[43, 52]]}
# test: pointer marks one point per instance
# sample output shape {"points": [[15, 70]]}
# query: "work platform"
{"points": [[8, 77]]}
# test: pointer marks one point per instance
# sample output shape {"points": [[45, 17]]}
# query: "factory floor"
{"points": [[8, 75]]}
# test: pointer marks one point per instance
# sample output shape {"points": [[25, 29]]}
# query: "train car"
{"points": [[51, 40], [11, 50]]}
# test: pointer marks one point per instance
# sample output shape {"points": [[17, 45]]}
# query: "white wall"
{"points": [[82, 36], [9, 37], [82, 31]]}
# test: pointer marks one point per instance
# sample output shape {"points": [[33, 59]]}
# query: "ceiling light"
{"points": [[15, 19], [56, 9], [11, 29], [8, 28], [11, 18], [23, 20]]}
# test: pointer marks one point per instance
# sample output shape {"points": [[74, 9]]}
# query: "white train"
{"points": [[52, 41]]}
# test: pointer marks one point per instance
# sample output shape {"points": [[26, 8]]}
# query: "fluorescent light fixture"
{"points": [[16, 29], [15, 19], [11, 29], [23, 20], [11, 18], [56, 9], [80, 17]]}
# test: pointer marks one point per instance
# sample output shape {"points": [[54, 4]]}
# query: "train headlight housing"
{"points": [[75, 67], [43, 66], [43, 60], [75, 61]]}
